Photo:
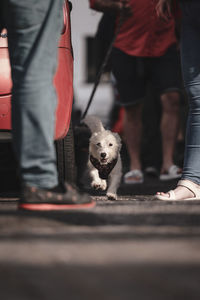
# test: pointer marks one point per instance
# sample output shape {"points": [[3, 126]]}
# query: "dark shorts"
{"points": [[133, 73]]}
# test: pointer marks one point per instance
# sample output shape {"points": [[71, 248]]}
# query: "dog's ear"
{"points": [[119, 141], [92, 138]]}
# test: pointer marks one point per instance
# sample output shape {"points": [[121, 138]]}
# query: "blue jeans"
{"points": [[190, 55], [34, 28]]}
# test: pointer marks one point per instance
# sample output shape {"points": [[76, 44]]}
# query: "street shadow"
{"points": [[141, 281], [137, 212]]}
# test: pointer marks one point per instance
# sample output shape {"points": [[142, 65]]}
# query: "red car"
{"points": [[64, 86]]}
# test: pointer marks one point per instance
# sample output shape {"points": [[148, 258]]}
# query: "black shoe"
{"points": [[63, 198]]}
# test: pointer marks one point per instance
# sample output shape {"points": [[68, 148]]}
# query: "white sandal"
{"points": [[174, 172], [185, 183], [134, 177]]}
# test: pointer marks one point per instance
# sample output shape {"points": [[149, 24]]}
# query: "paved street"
{"points": [[133, 248]]}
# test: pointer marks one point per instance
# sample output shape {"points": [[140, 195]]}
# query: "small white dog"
{"points": [[105, 166]]}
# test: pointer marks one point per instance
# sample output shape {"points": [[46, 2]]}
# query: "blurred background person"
{"points": [[145, 50]]}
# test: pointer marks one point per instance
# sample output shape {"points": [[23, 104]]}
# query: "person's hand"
{"points": [[163, 9], [126, 9], [114, 6]]}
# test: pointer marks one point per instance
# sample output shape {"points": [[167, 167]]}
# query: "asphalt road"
{"points": [[134, 248]]}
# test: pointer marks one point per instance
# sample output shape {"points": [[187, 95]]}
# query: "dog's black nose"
{"points": [[103, 154]]}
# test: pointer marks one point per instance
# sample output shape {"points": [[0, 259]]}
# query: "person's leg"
{"points": [[191, 74], [34, 29], [169, 127], [166, 77], [131, 86], [190, 49], [151, 140], [132, 134]]}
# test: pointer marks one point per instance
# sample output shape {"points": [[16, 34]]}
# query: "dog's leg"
{"points": [[114, 182], [97, 183]]}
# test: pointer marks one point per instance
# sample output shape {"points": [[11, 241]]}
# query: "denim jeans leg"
{"points": [[34, 29], [190, 53]]}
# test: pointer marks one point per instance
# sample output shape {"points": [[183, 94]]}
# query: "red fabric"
{"points": [[92, 3], [145, 34], [176, 9]]}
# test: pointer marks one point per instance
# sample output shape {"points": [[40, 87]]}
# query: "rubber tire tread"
{"points": [[66, 157]]}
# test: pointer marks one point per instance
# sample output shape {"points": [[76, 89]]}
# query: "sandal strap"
{"points": [[172, 195], [190, 186], [133, 173], [174, 169]]}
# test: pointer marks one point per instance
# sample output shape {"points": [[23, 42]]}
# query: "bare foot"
{"points": [[181, 193]]}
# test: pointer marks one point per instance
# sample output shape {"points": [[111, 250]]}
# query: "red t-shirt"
{"points": [[92, 3], [145, 34]]}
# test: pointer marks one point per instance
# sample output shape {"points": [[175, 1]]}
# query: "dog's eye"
{"points": [[98, 144], [110, 145]]}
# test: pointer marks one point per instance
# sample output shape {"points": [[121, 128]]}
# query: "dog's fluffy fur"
{"points": [[105, 147]]}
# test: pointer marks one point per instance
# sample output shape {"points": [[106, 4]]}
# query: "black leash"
{"points": [[103, 65]]}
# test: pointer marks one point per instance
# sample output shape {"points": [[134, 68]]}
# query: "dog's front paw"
{"points": [[103, 185], [99, 185], [111, 196]]}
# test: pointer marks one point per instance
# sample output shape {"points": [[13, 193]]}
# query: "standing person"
{"points": [[34, 29], [146, 49], [188, 187]]}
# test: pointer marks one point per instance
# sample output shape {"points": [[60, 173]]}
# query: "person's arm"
{"points": [[113, 6], [106, 5], [164, 9]]}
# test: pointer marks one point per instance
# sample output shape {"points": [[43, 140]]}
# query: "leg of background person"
{"points": [[131, 86], [33, 32], [132, 134], [166, 77], [169, 127], [151, 138]]}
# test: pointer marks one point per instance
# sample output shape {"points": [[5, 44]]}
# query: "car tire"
{"points": [[66, 157]]}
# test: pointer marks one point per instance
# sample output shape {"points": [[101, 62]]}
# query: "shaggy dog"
{"points": [[105, 167]]}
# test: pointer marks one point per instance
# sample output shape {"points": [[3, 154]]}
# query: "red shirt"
{"points": [[92, 3], [145, 34]]}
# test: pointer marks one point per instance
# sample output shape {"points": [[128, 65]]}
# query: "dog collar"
{"points": [[104, 170]]}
